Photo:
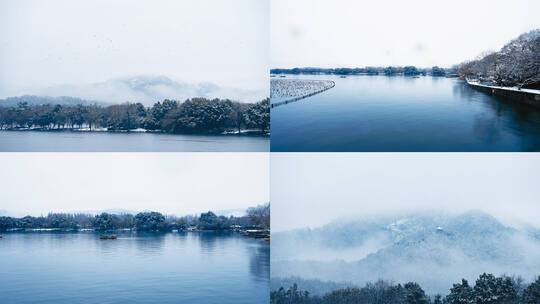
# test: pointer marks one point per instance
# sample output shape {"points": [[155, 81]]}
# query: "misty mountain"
{"points": [[117, 211], [431, 249], [238, 212], [148, 90], [41, 100]]}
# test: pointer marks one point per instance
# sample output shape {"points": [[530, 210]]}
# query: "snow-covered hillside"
{"points": [[431, 249]]}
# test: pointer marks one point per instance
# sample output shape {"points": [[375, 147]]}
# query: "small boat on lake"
{"points": [[267, 239], [342, 76], [107, 237], [0, 236]]}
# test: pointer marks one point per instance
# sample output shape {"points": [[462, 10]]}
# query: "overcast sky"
{"points": [[351, 33], [49, 43], [172, 183], [312, 189]]}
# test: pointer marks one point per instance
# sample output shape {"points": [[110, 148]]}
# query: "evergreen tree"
{"points": [[491, 290], [6, 223], [151, 221], [414, 294], [531, 294], [460, 294], [196, 115], [105, 221], [507, 290], [258, 115]]}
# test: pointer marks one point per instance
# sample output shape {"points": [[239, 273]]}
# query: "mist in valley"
{"points": [[434, 250], [432, 219]]}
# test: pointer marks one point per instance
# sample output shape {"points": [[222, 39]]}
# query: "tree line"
{"points": [[488, 289], [196, 115], [516, 64], [389, 70], [256, 218]]}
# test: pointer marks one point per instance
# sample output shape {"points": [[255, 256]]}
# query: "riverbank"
{"points": [[526, 96], [252, 233], [138, 130]]}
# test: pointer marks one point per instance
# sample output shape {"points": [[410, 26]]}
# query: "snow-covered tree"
{"points": [[258, 115], [531, 295], [516, 64], [460, 294], [414, 294]]}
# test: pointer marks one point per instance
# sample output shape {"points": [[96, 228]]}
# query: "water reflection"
{"points": [[34, 141], [463, 91], [396, 113], [520, 119], [259, 262], [486, 128], [184, 267], [148, 243], [209, 240]]}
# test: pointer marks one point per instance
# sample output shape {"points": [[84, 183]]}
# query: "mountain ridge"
{"points": [[146, 89], [433, 250]]}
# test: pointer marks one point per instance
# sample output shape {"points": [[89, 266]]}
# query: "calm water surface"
{"points": [[190, 267], [68, 141], [381, 113]]}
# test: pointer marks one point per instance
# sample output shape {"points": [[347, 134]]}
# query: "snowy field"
{"points": [[288, 90]]}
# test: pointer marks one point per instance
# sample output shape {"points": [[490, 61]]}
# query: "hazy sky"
{"points": [[177, 183], [48, 43], [353, 33], [312, 189]]}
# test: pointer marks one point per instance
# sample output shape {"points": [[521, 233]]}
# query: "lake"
{"points": [[75, 141], [193, 267], [397, 113]]}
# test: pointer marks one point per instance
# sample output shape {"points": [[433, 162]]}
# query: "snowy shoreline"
{"points": [[515, 89], [245, 232], [526, 96], [253, 132]]}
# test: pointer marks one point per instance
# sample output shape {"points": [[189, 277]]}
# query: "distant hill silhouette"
{"points": [[142, 88], [41, 100]]}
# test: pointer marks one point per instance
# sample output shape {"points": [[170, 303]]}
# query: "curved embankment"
{"points": [[291, 90], [526, 96]]}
